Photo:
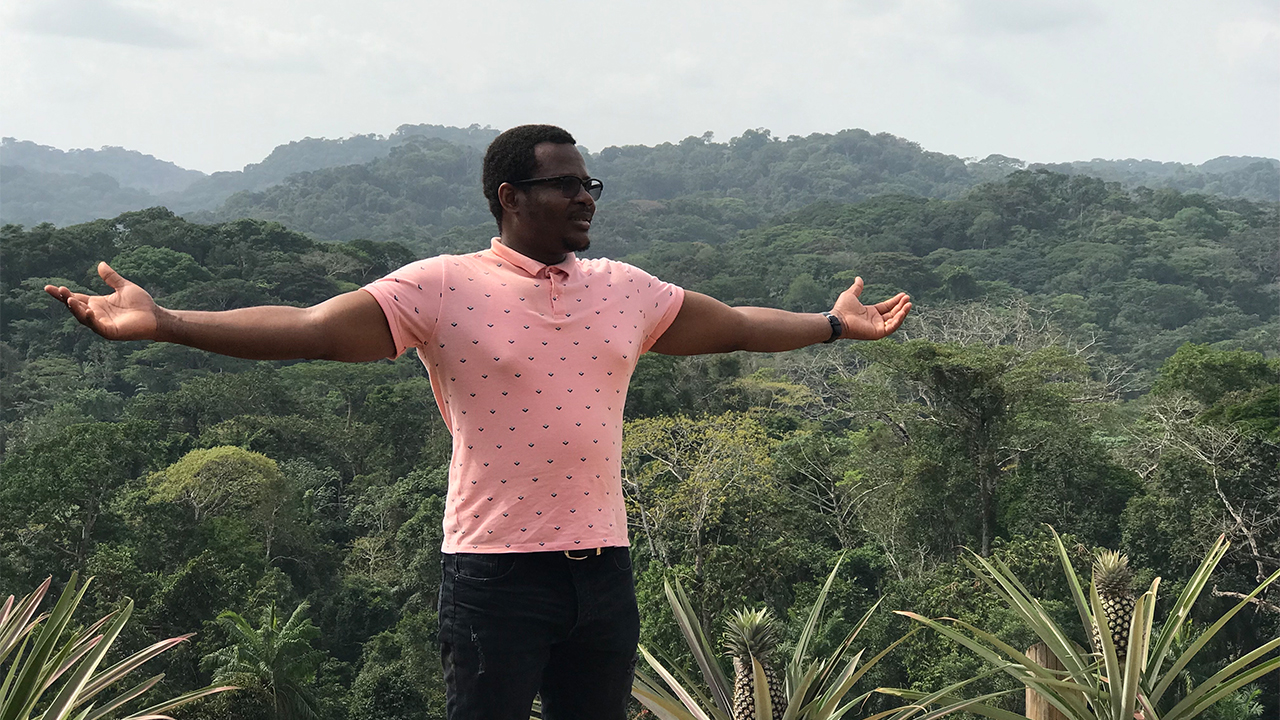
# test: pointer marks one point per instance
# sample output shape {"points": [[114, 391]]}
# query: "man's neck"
{"points": [[530, 251]]}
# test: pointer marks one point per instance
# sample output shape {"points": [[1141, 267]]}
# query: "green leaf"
{"points": [[764, 705], [983, 709], [1045, 628], [155, 710], [125, 697], [1136, 651], [111, 675], [34, 676], [65, 701], [700, 646], [1182, 609], [815, 616], [15, 619], [1192, 705], [1073, 583], [684, 696], [799, 691], [1205, 637]]}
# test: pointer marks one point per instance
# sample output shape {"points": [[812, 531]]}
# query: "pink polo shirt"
{"points": [[530, 365]]}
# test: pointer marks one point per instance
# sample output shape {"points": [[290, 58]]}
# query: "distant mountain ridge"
{"points": [[129, 168], [311, 154], [386, 186], [45, 194], [1252, 178]]}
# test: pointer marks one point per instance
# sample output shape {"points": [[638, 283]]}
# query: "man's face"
{"points": [[554, 223]]}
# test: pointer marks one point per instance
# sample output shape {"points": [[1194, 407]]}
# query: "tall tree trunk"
{"points": [[987, 473]]}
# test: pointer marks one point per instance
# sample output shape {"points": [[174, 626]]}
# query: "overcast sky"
{"points": [[214, 85]]}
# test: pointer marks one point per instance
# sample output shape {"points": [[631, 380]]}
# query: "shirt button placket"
{"points": [[556, 289]]}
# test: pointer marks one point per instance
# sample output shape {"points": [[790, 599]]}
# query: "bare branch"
{"points": [[1263, 604]]}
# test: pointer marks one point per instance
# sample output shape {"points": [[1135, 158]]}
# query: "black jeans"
{"points": [[516, 625]]}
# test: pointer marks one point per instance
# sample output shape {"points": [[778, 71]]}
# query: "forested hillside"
{"points": [[314, 185], [129, 168], [1251, 178], [44, 184], [1084, 355]]}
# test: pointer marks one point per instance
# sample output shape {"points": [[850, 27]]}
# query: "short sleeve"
{"points": [[661, 303], [410, 298]]}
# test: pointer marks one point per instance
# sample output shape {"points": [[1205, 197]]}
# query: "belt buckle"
{"points": [[568, 554]]}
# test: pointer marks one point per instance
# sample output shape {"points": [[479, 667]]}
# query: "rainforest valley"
{"points": [[1093, 350]]}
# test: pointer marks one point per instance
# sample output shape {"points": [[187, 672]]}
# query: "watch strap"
{"points": [[837, 327]]}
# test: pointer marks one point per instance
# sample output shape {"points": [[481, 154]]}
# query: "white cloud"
{"points": [[1036, 79], [1253, 46], [1026, 17], [101, 20]]}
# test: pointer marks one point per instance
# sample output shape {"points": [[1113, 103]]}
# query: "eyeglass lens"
{"points": [[570, 186]]}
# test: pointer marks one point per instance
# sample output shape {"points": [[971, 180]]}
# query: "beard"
{"points": [[576, 244]]}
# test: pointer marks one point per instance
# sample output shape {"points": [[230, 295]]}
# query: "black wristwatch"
{"points": [[837, 327]]}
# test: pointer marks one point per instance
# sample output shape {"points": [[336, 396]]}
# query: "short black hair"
{"points": [[510, 158]]}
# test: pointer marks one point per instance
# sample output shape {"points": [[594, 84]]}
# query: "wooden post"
{"points": [[1037, 707]]}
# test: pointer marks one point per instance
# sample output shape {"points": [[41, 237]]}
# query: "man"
{"points": [[529, 350]]}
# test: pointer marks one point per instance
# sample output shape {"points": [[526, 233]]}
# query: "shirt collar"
{"points": [[568, 266]]}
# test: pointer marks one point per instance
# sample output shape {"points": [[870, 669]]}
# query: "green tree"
{"points": [[1208, 375], [216, 481], [57, 494], [277, 658], [159, 269], [683, 475]]}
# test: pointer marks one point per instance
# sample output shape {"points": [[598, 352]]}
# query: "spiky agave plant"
{"points": [[1114, 581], [750, 637]]}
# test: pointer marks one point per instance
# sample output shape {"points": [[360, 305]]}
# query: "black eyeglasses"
{"points": [[570, 185]]}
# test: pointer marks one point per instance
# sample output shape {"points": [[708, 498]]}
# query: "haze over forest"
{"points": [[45, 184], [1094, 348]]}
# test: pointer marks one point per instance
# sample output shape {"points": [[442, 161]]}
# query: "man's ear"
{"points": [[509, 197]]}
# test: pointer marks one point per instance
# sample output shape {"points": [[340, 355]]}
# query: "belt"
{"points": [[591, 552]]}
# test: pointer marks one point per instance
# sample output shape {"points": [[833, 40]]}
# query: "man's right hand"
{"points": [[350, 327], [129, 313]]}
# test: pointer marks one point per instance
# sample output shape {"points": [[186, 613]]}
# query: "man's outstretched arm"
{"points": [[706, 325], [350, 327]]}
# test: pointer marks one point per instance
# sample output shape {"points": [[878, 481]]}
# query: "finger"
{"points": [[64, 295], [896, 319], [68, 296], [892, 303], [856, 288], [111, 277], [80, 310]]}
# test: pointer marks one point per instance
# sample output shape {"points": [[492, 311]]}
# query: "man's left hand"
{"points": [[869, 322]]}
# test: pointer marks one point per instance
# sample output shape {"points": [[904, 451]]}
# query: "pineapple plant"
{"points": [[1153, 683], [751, 634], [816, 688], [1114, 582]]}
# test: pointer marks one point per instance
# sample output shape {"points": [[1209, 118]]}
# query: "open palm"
{"points": [[129, 313], [870, 322]]}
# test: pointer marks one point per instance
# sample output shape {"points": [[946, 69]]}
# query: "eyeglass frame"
{"points": [[582, 185]]}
